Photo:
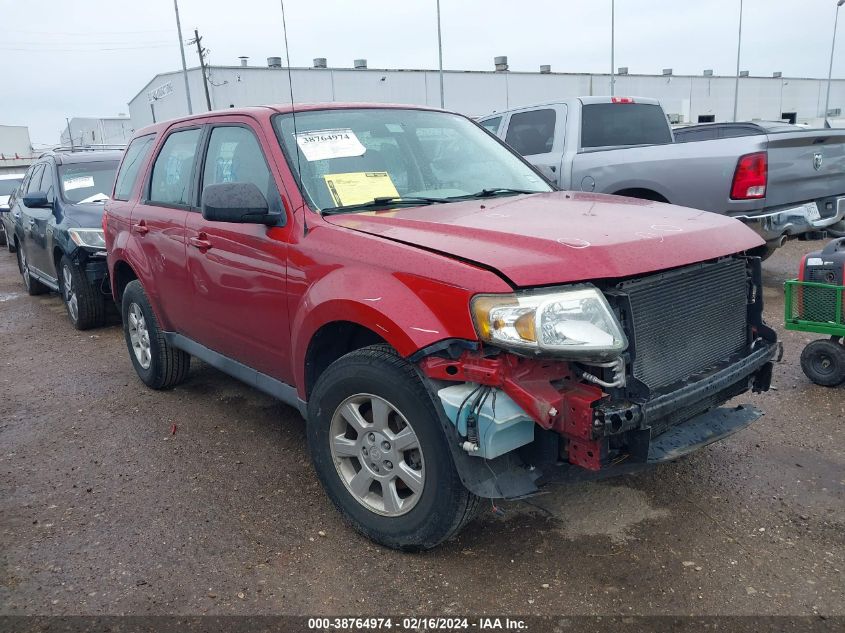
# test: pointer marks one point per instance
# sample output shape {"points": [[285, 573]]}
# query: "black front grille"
{"points": [[683, 322]]}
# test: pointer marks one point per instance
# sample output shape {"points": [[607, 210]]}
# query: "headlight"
{"points": [[92, 238], [577, 322]]}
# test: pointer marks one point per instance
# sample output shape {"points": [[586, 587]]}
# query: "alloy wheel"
{"points": [[69, 292], [139, 336], [377, 455], [24, 267]]}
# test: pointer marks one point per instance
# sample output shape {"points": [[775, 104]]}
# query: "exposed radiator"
{"points": [[686, 321]]}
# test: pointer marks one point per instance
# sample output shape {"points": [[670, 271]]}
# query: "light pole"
{"points": [[830, 71], [182, 51], [612, 45], [738, 49], [440, 55]]}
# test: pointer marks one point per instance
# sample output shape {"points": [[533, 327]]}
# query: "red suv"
{"points": [[450, 326]]}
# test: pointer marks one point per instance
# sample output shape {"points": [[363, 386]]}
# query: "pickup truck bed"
{"points": [[799, 182]]}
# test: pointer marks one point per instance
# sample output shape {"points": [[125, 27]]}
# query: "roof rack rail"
{"points": [[86, 148]]}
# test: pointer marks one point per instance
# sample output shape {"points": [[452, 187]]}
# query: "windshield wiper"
{"points": [[387, 201], [492, 193]]}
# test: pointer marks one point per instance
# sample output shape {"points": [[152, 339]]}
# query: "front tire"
{"points": [[823, 362], [86, 306], [381, 455], [158, 364]]}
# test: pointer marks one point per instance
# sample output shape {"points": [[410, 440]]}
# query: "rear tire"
{"points": [[32, 285], [371, 422], [823, 362], [158, 364], [86, 306]]}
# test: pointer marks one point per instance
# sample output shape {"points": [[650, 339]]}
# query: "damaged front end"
{"points": [[694, 339]]}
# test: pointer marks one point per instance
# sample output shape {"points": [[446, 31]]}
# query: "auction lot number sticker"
{"points": [[326, 144]]}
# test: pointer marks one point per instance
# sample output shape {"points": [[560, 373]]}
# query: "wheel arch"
{"points": [[643, 193], [332, 341], [122, 274]]}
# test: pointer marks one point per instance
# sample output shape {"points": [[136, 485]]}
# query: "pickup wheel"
{"points": [[158, 364], [86, 306], [823, 362], [378, 449], [32, 285]]}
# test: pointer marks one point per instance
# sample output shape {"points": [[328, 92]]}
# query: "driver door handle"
{"points": [[201, 242], [141, 228]]}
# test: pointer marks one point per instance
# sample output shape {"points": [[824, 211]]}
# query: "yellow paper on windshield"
{"points": [[358, 187]]}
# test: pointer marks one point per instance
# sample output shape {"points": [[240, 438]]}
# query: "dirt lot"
{"points": [[104, 511]]}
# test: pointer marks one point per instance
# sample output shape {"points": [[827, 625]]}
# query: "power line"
{"points": [[43, 49], [90, 33], [58, 42]]}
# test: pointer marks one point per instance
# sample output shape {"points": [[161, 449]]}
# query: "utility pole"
{"points": [[612, 46], [738, 50], [201, 52], [830, 71], [440, 55], [184, 65]]}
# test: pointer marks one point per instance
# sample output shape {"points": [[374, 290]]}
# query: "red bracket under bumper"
{"points": [[548, 391]]}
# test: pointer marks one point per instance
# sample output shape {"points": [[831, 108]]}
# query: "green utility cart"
{"points": [[813, 306]]}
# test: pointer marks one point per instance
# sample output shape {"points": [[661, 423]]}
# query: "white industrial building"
{"points": [[16, 153], [81, 131], [686, 98]]}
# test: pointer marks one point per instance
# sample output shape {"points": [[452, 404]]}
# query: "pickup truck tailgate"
{"points": [[805, 166]]}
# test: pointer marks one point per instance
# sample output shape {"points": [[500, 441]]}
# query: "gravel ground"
{"points": [[105, 510]]}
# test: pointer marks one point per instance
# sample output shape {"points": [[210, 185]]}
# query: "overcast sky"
{"points": [[65, 58]]}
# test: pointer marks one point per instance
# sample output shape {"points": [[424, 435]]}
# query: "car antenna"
{"points": [[293, 113]]}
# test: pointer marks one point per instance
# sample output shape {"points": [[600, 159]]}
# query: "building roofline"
{"points": [[480, 72]]}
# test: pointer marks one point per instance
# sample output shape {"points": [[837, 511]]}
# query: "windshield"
{"points": [[354, 156], [87, 182], [8, 185]]}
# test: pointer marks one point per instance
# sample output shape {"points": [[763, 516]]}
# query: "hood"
{"points": [[561, 237], [85, 215]]}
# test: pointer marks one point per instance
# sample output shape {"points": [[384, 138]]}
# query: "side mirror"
{"points": [[37, 200], [240, 202]]}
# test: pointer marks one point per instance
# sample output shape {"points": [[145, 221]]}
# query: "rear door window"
{"points": [[612, 124], [532, 132], [133, 160], [173, 170]]}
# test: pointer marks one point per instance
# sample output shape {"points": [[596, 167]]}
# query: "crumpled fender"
{"points": [[408, 311]]}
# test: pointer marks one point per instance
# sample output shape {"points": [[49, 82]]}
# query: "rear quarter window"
{"points": [[133, 160], [612, 124]]}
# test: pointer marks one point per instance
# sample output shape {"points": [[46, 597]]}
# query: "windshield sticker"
{"points": [[97, 197], [80, 182], [325, 144], [359, 187]]}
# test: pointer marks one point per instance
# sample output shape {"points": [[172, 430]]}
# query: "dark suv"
{"points": [[58, 235]]}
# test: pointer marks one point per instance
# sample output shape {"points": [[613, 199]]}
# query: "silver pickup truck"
{"points": [[780, 183]]}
